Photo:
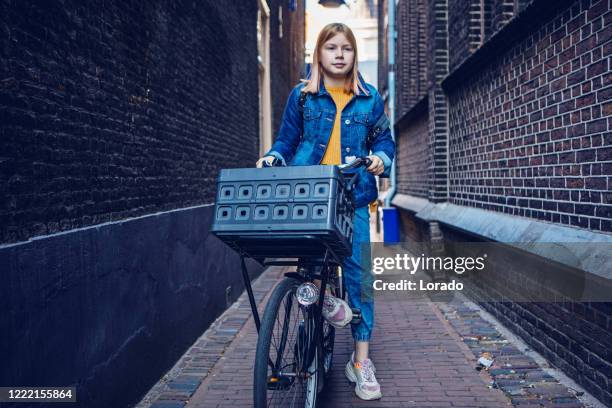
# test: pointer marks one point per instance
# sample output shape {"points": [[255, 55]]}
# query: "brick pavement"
{"points": [[210, 350], [420, 360], [425, 354], [516, 373]]}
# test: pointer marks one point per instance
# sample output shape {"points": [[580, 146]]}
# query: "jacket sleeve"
{"points": [[290, 131], [383, 145]]}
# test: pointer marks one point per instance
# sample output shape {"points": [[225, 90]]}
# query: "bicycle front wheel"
{"points": [[287, 357]]}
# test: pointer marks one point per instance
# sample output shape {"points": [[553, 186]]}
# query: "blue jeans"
{"points": [[357, 275]]}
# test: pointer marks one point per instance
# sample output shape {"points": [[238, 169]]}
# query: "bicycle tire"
{"points": [[299, 329]]}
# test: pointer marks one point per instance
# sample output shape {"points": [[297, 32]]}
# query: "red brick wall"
{"points": [[437, 50], [501, 12], [412, 169], [412, 58], [467, 31], [522, 125], [530, 133]]}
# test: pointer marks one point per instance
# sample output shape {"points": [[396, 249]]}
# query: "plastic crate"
{"points": [[284, 211]]}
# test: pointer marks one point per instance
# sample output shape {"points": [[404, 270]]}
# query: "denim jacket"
{"points": [[302, 139]]}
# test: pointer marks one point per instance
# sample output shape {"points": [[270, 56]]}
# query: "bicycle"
{"points": [[294, 352]]}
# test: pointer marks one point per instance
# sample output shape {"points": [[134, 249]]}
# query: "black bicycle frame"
{"points": [[326, 266]]}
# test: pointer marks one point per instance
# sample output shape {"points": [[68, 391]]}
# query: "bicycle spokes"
{"points": [[291, 344]]}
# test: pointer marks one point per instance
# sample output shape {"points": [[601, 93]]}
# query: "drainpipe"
{"points": [[391, 87]]}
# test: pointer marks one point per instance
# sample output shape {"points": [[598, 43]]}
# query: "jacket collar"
{"points": [[323, 91]]}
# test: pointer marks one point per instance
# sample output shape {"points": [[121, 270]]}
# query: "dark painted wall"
{"points": [[109, 309]]}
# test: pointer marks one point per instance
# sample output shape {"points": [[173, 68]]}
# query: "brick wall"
{"points": [[501, 12], [412, 173], [412, 58], [474, 21], [521, 126], [530, 134], [128, 108], [464, 15], [438, 104]]}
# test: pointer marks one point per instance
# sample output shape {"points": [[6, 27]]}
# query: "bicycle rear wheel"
{"points": [[288, 357]]}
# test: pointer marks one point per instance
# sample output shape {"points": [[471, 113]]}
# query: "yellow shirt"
{"points": [[333, 152]]}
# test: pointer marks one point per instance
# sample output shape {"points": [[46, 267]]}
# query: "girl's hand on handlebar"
{"points": [[377, 167], [268, 159]]}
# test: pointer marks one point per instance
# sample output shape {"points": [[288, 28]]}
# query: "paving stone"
{"points": [[419, 358], [516, 374]]}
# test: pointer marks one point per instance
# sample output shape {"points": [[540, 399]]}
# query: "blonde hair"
{"points": [[352, 82]]}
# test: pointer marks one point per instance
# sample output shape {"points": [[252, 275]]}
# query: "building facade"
{"points": [[504, 134]]}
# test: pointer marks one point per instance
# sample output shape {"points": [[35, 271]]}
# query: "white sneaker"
{"points": [[362, 374], [336, 311]]}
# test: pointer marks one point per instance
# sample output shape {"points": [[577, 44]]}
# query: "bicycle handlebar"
{"points": [[275, 163], [358, 162]]}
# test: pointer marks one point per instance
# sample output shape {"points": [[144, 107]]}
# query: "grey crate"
{"points": [[284, 211]]}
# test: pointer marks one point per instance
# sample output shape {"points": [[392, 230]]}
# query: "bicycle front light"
{"points": [[307, 293]]}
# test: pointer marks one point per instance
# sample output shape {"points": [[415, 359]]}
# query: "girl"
{"points": [[338, 114]]}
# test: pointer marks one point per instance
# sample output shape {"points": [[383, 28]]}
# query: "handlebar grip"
{"points": [[275, 163], [358, 162]]}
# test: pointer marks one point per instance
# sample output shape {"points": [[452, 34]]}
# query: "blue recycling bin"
{"points": [[390, 225]]}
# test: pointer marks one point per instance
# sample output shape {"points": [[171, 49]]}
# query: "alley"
{"points": [[131, 132]]}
